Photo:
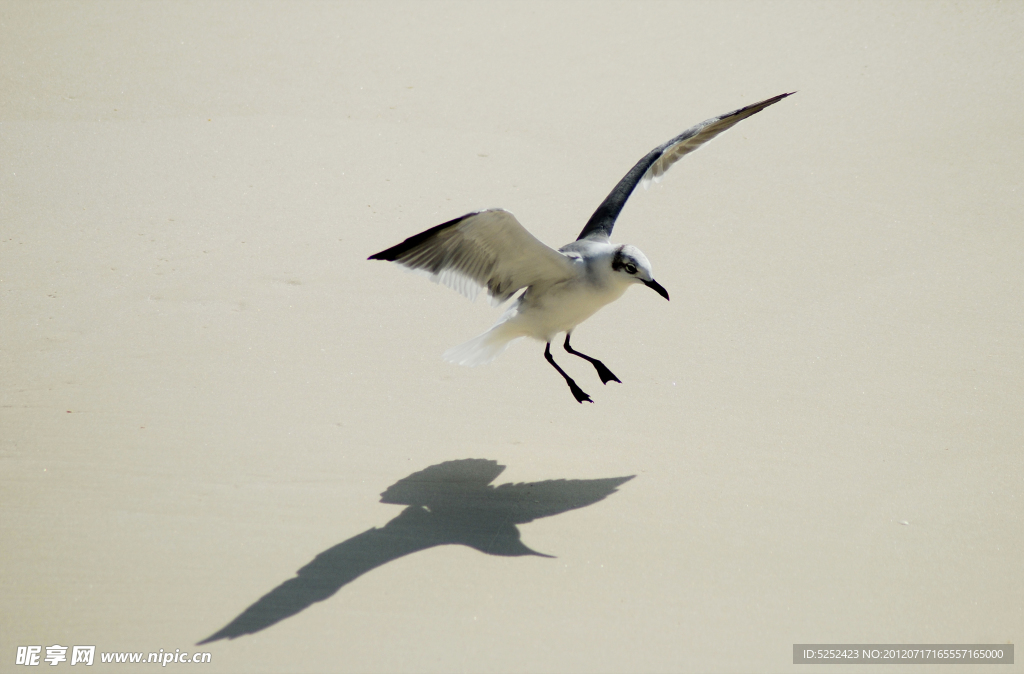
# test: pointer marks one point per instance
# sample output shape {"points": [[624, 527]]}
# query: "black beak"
{"points": [[656, 287]]}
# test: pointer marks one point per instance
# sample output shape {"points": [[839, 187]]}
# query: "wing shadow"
{"points": [[451, 503]]}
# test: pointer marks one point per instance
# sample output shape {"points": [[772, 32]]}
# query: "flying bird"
{"points": [[489, 250]]}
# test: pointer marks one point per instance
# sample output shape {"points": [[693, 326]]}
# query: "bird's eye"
{"points": [[630, 268]]}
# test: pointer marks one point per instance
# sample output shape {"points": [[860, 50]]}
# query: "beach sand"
{"points": [[205, 384]]}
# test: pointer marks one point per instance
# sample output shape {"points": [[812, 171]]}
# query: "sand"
{"points": [[206, 387]]}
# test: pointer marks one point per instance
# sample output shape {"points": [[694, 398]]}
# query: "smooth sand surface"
{"points": [[205, 385]]}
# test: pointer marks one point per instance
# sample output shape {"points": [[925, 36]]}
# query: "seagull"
{"points": [[489, 250]]}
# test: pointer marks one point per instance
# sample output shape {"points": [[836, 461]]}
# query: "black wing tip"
{"points": [[758, 107], [395, 252]]}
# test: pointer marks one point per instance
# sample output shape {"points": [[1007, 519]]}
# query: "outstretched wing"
{"points": [[487, 250], [532, 500], [658, 160]]}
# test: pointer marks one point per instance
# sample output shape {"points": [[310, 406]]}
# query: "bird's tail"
{"points": [[482, 349]]}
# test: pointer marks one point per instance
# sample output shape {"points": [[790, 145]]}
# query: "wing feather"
{"points": [[486, 250], [654, 165]]}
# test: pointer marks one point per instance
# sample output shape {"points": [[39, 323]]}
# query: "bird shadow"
{"points": [[451, 503]]}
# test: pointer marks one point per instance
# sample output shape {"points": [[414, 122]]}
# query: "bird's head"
{"points": [[630, 263]]}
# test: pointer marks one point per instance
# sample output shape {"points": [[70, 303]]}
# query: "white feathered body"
{"points": [[542, 312]]}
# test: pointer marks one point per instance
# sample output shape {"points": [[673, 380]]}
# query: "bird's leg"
{"points": [[576, 390], [602, 371]]}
